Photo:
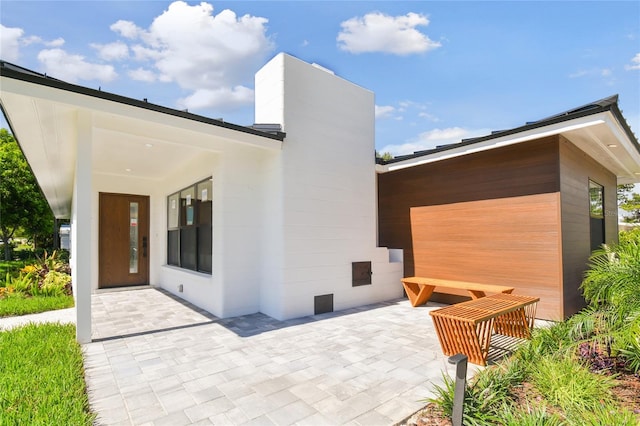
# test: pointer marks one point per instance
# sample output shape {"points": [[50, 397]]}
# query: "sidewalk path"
{"points": [[61, 315]]}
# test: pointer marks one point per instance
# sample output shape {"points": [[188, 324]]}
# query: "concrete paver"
{"points": [[157, 360]]}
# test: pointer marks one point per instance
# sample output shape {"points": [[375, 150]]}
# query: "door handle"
{"points": [[144, 246]]}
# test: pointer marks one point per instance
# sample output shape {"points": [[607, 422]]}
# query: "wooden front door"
{"points": [[123, 240]]}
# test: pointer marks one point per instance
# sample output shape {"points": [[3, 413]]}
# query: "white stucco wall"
{"points": [[325, 178]]}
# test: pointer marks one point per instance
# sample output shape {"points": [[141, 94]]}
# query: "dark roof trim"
{"points": [[602, 105], [10, 70]]}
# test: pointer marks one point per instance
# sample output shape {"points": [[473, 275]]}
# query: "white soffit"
{"points": [[127, 140]]}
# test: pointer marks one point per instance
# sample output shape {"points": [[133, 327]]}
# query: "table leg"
{"points": [[418, 293]]}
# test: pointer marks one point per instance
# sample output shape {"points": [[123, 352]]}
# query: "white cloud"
{"points": [[606, 72], [55, 43], [142, 74], [223, 97], [116, 51], [126, 29], [385, 111], [377, 32], [11, 39], [10, 43], [635, 63], [428, 116], [72, 68], [214, 56], [432, 139]]}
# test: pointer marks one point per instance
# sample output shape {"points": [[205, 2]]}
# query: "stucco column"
{"points": [[81, 231]]}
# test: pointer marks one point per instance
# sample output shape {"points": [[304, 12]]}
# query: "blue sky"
{"points": [[441, 71]]}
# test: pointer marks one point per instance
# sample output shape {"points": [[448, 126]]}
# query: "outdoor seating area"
{"points": [[419, 289], [468, 327]]}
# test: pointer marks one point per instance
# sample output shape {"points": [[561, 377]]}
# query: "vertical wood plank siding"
{"points": [[576, 168]]}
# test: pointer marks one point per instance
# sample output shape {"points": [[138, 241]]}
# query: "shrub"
{"points": [[55, 284], [613, 277], [529, 416], [570, 386], [604, 414], [484, 396], [20, 284]]}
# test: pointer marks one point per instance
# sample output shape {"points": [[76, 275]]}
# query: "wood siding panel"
{"points": [[576, 168], [517, 170], [507, 241]]}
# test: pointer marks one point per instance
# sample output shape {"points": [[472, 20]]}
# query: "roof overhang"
{"points": [[601, 135], [129, 137]]}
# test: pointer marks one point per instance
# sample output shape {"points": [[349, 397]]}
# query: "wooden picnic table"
{"points": [[467, 327], [419, 289]]}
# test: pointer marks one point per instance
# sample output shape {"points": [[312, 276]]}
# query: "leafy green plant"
{"points": [[568, 385], [529, 416], [613, 277], [488, 391], [555, 339], [20, 284], [54, 284], [630, 350], [605, 414]]}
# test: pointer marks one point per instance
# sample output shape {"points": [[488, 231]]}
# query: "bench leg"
{"points": [[418, 293], [518, 323], [475, 294], [463, 337]]}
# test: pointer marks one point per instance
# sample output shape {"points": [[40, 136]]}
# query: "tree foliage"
{"points": [[629, 201], [385, 156], [22, 205]]}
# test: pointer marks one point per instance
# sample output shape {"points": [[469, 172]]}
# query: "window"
{"points": [[596, 200], [596, 214], [189, 220]]}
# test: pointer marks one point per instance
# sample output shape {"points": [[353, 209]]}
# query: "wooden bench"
{"points": [[467, 327], [419, 289]]}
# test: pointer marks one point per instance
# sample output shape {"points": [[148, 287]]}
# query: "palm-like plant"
{"points": [[613, 277], [611, 287]]}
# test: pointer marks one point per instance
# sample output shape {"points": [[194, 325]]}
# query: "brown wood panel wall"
{"points": [[576, 168], [507, 241], [518, 170]]}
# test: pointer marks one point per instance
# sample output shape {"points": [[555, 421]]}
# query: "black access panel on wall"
{"points": [[361, 273]]}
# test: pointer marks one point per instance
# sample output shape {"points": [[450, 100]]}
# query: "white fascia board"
{"points": [[91, 103], [537, 133]]}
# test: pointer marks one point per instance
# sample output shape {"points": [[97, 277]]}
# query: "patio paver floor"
{"points": [[156, 360]]}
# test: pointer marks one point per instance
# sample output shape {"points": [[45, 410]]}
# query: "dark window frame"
{"points": [[189, 219]]}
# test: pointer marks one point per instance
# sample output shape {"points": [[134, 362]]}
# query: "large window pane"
{"points": [[173, 247], [173, 211], [187, 202], [188, 247], [133, 237], [203, 193], [189, 227], [596, 199], [204, 248], [596, 214]]}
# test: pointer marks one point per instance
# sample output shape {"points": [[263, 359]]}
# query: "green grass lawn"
{"points": [[11, 266], [21, 305], [42, 377]]}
